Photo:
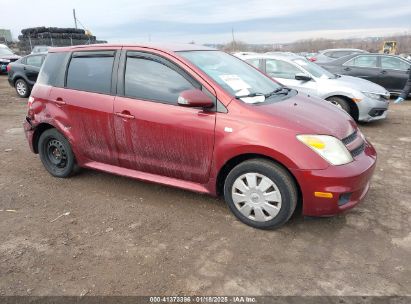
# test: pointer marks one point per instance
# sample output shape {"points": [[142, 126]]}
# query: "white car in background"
{"points": [[362, 99]]}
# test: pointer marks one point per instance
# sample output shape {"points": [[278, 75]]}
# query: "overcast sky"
{"points": [[211, 21]]}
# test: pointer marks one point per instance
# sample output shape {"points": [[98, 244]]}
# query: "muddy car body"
{"points": [[199, 119]]}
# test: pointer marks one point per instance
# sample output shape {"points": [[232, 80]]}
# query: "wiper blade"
{"points": [[282, 90], [250, 95]]}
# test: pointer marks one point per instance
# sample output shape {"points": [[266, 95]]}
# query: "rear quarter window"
{"points": [[53, 69]]}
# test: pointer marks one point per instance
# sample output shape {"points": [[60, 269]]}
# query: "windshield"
{"points": [[5, 51], [314, 69], [234, 75]]}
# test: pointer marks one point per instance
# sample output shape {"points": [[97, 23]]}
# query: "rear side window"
{"points": [[363, 62], [152, 80], [254, 62], [91, 71], [53, 69], [281, 69], [34, 60], [392, 63]]}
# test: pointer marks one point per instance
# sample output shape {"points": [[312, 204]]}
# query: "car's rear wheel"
{"points": [[56, 154], [260, 193], [341, 103], [22, 88]]}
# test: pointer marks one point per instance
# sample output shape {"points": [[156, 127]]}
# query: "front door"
{"points": [[153, 133]]}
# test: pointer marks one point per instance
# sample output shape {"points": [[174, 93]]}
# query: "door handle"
{"points": [[347, 69], [125, 115], [59, 101], [383, 72]]}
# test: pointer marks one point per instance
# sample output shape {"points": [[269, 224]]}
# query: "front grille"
{"points": [[357, 151], [350, 138]]}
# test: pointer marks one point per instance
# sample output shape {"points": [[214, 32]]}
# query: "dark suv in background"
{"points": [[23, 73]]}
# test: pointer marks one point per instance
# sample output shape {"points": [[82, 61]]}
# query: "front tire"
{"points": [[341, 103], [56, 154], [22, 88], [261, 193]]}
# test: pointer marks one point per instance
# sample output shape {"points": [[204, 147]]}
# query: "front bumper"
{"points": [[372, 109], [348, 184]]}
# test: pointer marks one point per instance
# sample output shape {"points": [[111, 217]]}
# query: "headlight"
{"points": [[372, 95], [328, 147], [4, 60]]}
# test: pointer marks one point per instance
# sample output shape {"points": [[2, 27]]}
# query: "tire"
{"points": [[56, 154], [341, 103], [22, 88], [257, 211]]}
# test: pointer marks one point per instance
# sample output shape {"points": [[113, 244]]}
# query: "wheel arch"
{"points": [[353, 106], [37, 133]]}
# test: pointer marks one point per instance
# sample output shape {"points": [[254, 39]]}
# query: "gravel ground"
{"points": [[125, 237]]}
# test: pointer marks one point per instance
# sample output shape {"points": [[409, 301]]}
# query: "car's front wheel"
{"points": [[56, 154], [260, 193], [341, 103], [22, 88]]}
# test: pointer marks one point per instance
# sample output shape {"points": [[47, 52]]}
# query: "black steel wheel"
{"points": [[56, 154]]}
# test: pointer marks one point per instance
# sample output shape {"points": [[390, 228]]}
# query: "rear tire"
{"points": [[56, 154], [341, 103], [260, 193], [22, 88]]}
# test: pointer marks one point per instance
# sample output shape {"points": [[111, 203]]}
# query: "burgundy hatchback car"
{"points": [[199, 119]]}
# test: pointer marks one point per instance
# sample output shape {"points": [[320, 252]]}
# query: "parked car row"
{"points": [[362, 99], [389, 71]]}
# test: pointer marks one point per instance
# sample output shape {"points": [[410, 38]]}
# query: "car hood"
{"points": [[356, 83], [10, 57], [305, 114]]}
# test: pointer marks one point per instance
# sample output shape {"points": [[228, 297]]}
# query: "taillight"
{"points": [[8, 68], [30, 103], [313, 59]]}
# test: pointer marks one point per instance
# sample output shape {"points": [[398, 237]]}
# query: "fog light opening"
{"points": [[344, 199]]}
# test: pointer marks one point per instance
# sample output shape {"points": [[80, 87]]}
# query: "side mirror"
{"points": [[195, 98], [303, 77]]}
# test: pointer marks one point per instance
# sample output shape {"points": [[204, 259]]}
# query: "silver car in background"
{"points": [[333, 54], [362, 99]]}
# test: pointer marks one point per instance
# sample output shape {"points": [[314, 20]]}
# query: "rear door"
{"points": [[394, 73], [363, 66], [32, 67], [285, 72], [87, 103], [154, 134]]}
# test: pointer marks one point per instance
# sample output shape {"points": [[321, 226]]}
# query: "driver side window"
{"points": [[281, 69]]}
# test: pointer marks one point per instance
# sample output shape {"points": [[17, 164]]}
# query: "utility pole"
{"points": [[233, 43], [75, 19]]}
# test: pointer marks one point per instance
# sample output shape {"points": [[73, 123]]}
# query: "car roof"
{"points": [[282, 56], [342, 49], [348, 57], [170, 47]]}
